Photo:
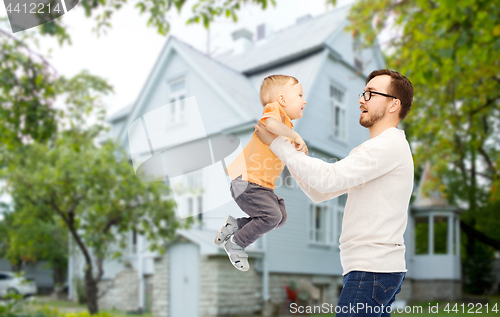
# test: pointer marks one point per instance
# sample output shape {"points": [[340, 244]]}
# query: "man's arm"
{"points": [[312, 193], [361, 166]]}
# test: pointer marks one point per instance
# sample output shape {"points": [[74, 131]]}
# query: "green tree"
{"points": [[91, 190], [32, 239], [449, 50]]}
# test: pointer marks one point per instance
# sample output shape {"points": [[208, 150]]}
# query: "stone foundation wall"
{"points": [[329, 287], [406, 290], [426, 290], [120, 293], [160, 286], [208, 287], [149, 281], [236, 293]]}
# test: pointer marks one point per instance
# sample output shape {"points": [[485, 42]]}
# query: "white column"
{"points": [[457, 235], [265, 270], [431, 234], [70, 269], [450, 241], [140, 270]]}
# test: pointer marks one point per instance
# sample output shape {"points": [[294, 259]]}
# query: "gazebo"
{"points": [[435, 261]]}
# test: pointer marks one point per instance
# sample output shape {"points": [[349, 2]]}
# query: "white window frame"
{"points": [[357, 50], [314, 235], [176, 95], [332, 213], [338, 111], [193, 196], [338, 208]]}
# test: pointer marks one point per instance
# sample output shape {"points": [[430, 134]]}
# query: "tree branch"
{"points": [[471, 232], [30, 51], [74, 233]]}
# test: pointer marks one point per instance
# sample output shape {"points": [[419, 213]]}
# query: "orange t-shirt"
{"points": [[257, 163]]}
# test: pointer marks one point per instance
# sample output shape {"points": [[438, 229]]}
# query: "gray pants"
{"points": [[266, 210]]}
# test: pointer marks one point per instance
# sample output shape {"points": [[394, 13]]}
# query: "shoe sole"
{"points": [[220, 232]]}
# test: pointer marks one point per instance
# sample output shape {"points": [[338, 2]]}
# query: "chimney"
{"points": [[242, 39], [303, 18], [264, 31]]}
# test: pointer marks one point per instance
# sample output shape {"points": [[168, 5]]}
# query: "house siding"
{"points": [[315, 126]]}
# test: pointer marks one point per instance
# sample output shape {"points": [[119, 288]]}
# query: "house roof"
{"points": [[228, 74], [232, 86], [303, 38], [232, 82], [120, 113]]}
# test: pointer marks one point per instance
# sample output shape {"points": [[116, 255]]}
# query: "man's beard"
{"points": [[367, 123]]}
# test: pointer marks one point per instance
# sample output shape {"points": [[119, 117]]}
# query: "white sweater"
{"points": [[378, 177]]}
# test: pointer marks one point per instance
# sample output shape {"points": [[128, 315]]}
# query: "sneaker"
{"points": [[237, 255], [226, 231]]}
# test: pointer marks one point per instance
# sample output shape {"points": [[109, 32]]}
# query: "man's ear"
{"points": [[281, 100], [395, 106]]}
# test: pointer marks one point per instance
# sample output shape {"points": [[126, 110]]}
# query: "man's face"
{"points": [[295, 102], [375, 109]]}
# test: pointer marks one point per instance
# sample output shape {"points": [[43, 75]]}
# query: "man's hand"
{"points": [[300, 145], [263, 134]]}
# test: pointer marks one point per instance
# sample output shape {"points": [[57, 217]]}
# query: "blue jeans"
{"points": [[368, 294]]}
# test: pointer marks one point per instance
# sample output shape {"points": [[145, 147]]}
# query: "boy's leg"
{"points": [[261, 204], [284, 215]]}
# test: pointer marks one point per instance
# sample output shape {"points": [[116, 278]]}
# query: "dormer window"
{"points": [[176, 95], [337, 102], [358, 64]]}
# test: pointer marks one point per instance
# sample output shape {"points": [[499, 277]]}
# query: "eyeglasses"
{"points": [[370, 93]]}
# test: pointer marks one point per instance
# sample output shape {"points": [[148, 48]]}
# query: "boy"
{"points": [[255, 171]]}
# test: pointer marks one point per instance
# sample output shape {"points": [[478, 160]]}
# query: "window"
{"points": [[326, 221], [286, 178], [194, 194], [358, 64], [132, 246], [440, 234], [338, 213], [337, 112], [357, 50], [422, 235], [318, 229], [176, 94]]}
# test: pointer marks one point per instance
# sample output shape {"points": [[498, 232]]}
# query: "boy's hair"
{"points": [[268, 88], [400, 87]]}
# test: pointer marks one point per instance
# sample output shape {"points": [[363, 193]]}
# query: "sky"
{"points": [[125, 55]]}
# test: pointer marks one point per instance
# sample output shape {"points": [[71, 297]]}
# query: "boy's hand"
{"points": [[300, 145]]}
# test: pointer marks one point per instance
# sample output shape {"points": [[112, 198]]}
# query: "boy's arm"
{"points": [[279, 128]]}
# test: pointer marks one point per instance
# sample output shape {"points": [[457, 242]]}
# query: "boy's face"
{"points": [[294, 102]]}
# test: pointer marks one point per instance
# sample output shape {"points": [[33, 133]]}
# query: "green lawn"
{"points": [[424, 309], [71, 307], [427, 309]]}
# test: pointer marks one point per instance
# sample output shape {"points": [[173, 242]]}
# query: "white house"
{"points": [[195, 278]]}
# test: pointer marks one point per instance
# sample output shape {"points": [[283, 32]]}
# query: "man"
{"points": [[378, 177]]}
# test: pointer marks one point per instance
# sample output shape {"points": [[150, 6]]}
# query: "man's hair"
{"points": [[400, 87], [268, 88]]}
